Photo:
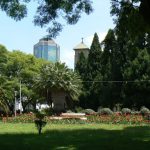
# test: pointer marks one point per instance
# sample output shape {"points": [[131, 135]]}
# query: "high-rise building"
{"points": [[78, 49], [47, 49]]}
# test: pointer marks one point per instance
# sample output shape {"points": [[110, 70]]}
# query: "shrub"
{"points": [[89, 111], [47, 111], [69, 111], [40, 116], [126, 111], [105, 111], [147, 118], [135, 112], [39, 121], [79, 109], [144, 111]]}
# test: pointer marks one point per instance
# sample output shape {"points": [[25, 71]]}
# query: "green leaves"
{"points": [[94, 59], [16, 67], [49, 12], [14, 9], [81, 66], [58, 77], [3, 59], [131, 17], [3, 104]]}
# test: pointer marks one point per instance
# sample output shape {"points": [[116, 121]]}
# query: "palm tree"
{"points": [[59, 81]]}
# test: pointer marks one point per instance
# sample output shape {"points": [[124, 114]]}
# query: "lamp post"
{"points": [[15, 102], [20, 99]]}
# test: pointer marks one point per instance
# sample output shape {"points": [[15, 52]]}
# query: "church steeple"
{"points": [[82, 40], [80, 48]]}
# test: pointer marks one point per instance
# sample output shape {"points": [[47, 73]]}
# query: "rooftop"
{"points": [[81, 46], [47, 39]]}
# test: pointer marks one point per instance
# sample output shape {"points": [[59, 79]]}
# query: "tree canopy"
{"points": [[132, 13], [59, 77], [48, 12], [38, 79]]}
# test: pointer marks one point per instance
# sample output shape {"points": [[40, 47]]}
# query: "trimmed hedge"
{"points": [[144, 111], [105, 111], [126, 111]]}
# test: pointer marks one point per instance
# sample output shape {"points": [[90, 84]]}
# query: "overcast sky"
{"points": [[23, 35]]}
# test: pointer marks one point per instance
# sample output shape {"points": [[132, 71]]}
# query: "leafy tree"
{"points": [[81, 69], [94, 69], [19, 67], [3, 59], [129, 49], [55, 78], [126, 35], [81, 66], [3, 105], [27, 76], [137, 71], [144, 10], [94, 59], [147, 42], [108, 54], [133, 14], [14, 9], [108, 93], [48, 11]]}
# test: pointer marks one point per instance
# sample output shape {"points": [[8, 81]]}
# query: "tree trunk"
{"points": [[58, 97]]}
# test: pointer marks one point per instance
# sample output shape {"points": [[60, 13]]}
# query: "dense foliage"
{"points": [[36, 77], [116, 72], [122, 76], [56, 77], [48, 12]]}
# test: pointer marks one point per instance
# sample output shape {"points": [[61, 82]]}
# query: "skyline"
{"points": [[23, 35]]}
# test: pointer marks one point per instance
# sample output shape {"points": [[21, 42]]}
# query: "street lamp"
{"points": [[20, 99], [15, 102]]}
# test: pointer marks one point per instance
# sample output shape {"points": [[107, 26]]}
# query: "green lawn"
{"points": [[74, 137]]}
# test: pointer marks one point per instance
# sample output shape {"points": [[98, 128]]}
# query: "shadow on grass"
{"points": [[129, 138]]}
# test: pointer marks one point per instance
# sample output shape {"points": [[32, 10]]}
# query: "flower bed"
{"points": [[118, 119], [108, 119], [24, 118], [30, 118]]}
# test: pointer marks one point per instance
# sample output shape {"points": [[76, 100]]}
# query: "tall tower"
{"points": [[80, 48], [47, 49]]}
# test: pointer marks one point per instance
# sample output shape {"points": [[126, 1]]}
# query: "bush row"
{"points": [[107, 111], [104, 115]]}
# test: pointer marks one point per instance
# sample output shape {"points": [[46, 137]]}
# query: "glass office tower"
{"points": [[47, 49]]}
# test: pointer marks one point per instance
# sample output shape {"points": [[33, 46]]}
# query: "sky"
{"points": [[23, 35]]}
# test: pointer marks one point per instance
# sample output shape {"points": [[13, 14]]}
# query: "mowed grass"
{"points": [[74, 137]]}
